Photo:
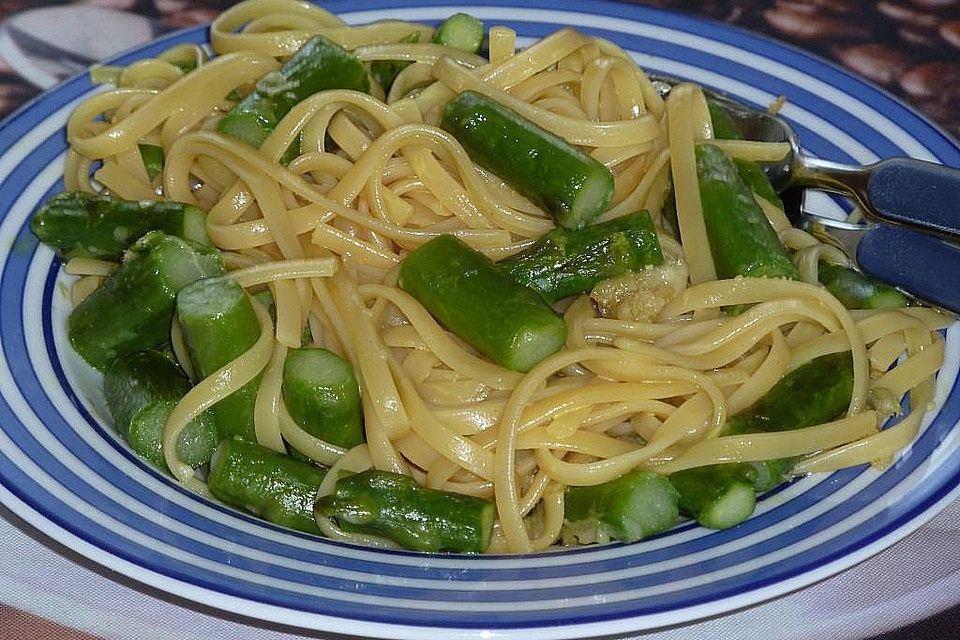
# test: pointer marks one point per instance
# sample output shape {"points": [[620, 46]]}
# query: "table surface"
{"points": [[911, 590]]}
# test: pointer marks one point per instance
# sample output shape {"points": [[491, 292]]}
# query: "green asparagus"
{"points": [[140, 390], [506, 321], [816, 392], [636, 505], [718, 496], [153, 159], [854, 289], [219, 324], [322, 395], [566, 262], [386, 71], [564, 181], [266, 483], [460, 31], [857, 291], [724, 128], [194, 446], [86, 225], [395, 507], [742, 241], [133, 308], [317, 66]]}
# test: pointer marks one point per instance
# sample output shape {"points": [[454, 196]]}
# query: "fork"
{"points": [[925, 267], [899, 190], [920, 198]]}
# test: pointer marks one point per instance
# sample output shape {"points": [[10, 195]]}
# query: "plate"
{"points": [[63, 470]]}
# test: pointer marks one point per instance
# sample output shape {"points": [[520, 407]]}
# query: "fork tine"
{"points": [[842, 235]]}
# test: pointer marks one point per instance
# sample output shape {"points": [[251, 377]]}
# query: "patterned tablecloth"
{"points": [[912, 590], [910, 47]]}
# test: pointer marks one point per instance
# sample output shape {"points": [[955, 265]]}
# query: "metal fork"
{"points": [[913, 194], [906, 191], [923, 266]]}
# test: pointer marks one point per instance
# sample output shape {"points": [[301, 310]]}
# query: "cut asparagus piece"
{"points": [[141, 390], [195, 444], [470, 296], [386, 71], [857, 291], [718, 496], [395, 507], [460, 31], [566, 262], [86, 225], [813, 393], [742, 241], [266, 483], [317, 66], [323, 397], [636, 505], [564, 181], [219, 325], [133, 308], [153, 159]]}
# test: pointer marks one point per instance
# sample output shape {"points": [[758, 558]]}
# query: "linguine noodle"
{"points": [[636, 385]]}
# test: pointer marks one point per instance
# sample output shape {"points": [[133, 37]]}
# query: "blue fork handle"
{"points": [[914, 192], [922, 265]]}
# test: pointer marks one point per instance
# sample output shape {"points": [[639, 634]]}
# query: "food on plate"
{"points": [[387, 285]]}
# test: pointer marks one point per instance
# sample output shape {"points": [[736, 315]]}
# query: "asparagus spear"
{"points": [[194, 446], [219, 324], [87, 225], [133, 308], [394, 506], [153, 159], [566, 262], [467, 293], [757, 181], [134, 381], [724, 128], [266, 483], [636, 505], [816, 392], [750, 172], [857, 291], [386, 71], [141, 390], [317, 66], [573, 187], [718, 496], [322, 395], [461, 31], [852, 288], [742, 241]]}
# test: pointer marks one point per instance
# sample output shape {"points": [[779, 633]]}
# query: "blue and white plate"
{"points": [[65, 472]]}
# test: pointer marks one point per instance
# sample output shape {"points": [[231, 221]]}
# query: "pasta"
{"points": [[652, 367]]}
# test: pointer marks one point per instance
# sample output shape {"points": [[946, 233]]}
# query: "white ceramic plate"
{"points": [[65, 472]]}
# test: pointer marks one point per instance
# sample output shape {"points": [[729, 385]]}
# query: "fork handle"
{"points": [[915, 193], [922, 265]]}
